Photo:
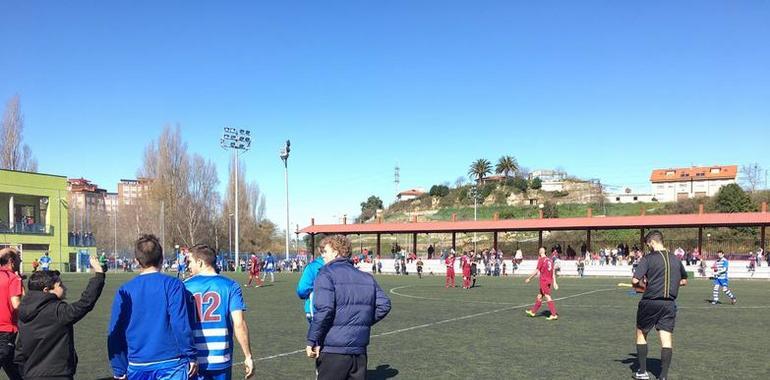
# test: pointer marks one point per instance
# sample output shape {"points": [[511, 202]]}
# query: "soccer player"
{"points": [[151, 322], [659, 274], [465, 262], [181, 262], [219, 304], [450, 269], [720, 280], [45, 262], [419, 267], [269, 267], [254, 267], [547, 279]]}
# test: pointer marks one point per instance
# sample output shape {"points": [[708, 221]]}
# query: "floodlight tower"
{"points": [[284, 154], [238, 141]]}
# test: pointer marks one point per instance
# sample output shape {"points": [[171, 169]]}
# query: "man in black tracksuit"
{"points": [[659, 274], [45, 348]]}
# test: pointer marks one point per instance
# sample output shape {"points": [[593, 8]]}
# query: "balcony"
{"points": [[27, 229]]}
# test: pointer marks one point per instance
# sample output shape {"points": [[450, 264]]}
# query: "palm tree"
{"points": [[480, 169], [506, 165]]}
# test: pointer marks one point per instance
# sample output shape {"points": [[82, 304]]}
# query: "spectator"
{"points": [[45, 261], [46, 344], [151, 322], [307, 280], [519, 256], [11, 291], [431, 250], [348, 302]]}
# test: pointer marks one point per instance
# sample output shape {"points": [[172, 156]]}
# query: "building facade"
{"points": [[670, 185], [87, 201], [131, 190], [33, 217]]}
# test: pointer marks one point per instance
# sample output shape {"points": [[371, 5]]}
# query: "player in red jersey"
{"points": [[450, 269], [254, 267], [547, 278], [466, 265]]}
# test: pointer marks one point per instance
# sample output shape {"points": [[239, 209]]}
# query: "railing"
{"points": [[27, 229]]}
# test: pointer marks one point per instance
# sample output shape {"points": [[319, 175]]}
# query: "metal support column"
{"points": [[454, 241], [539, 239], [378, 244], [588, 240], [762, 240], [414, 243], [494, 240], [700, 241], [312, 246]]}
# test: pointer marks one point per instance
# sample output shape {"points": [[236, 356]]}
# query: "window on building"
{"points": [[636, 198], [715, 170], [617, 199]]}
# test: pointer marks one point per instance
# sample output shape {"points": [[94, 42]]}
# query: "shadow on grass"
{"points": [[653, 365], [382, 372]]}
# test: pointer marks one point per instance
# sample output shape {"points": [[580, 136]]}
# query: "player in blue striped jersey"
{"points": [[219, 305], [720, 279]]}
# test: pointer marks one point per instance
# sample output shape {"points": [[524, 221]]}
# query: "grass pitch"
{"points": [[438, 333]]}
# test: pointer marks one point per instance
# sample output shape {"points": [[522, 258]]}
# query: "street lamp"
{"points": [[239, 141], [708, 240], [284, 154]]}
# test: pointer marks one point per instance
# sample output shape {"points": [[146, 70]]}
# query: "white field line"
{"points": [[441, 322]]}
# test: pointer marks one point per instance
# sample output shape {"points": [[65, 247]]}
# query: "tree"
{"points": [[459, 182], [732, 198], [520, 184], [536, 183], [752, 176], [14, 154], [439, 191], [506, 165], [480, 169], [369, 208]]}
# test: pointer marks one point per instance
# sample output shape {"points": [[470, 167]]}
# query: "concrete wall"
{"points": [[738, 269]]}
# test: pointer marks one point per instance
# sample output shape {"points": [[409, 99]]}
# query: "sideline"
{"points": [[441, 322]]}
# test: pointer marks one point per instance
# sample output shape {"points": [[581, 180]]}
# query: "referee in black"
{"points": [[659, 274]]}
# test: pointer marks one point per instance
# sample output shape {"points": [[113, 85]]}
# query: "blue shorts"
{"points": [[172, 370], [720, 282], [222, 374], [181, 268]]}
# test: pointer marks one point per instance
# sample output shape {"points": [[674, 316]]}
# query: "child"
{"points": [[46, 343]]}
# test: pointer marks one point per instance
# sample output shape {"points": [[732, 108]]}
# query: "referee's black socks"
{"points": [[665, 361], [641, 355]]}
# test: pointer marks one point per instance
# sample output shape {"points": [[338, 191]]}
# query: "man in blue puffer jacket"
{"points": [[347, 303], [306, 281]]}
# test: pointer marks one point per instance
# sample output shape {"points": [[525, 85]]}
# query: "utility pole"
{"points": [[397, 179]]}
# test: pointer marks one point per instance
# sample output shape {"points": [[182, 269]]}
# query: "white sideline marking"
{"points": [[441, 322], [712, 307]]}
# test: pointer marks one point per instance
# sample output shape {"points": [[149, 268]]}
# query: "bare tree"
{"points": [[752, 176], [198, 204], [460, 181], [14, 154]]}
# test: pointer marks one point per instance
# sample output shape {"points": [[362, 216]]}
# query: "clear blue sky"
{"points": [[603, 89]]}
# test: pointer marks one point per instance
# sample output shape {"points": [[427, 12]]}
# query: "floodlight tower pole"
{"points": [[285, 157], [237, 140]]}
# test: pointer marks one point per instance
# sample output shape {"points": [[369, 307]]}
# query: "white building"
{"points": [[551, 180], [629, 198], [409, 194], [669, 185]]}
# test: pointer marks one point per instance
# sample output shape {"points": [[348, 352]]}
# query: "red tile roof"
{"points": [[585, 223], [700, 173], [415, 192]]}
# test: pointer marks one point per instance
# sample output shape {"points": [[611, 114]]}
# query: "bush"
{"points": [[439, 191], [731, 198], [485, 191], [536, 183], [550, 210], [560, 193]]}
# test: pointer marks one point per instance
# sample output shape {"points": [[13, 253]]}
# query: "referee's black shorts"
{"points": [[660, 314]]}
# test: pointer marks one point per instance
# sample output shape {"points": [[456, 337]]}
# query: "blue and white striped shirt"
{"points": [[216, 297]]}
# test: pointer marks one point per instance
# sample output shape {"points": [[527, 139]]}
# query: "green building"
{"points": [[33, 217]]}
